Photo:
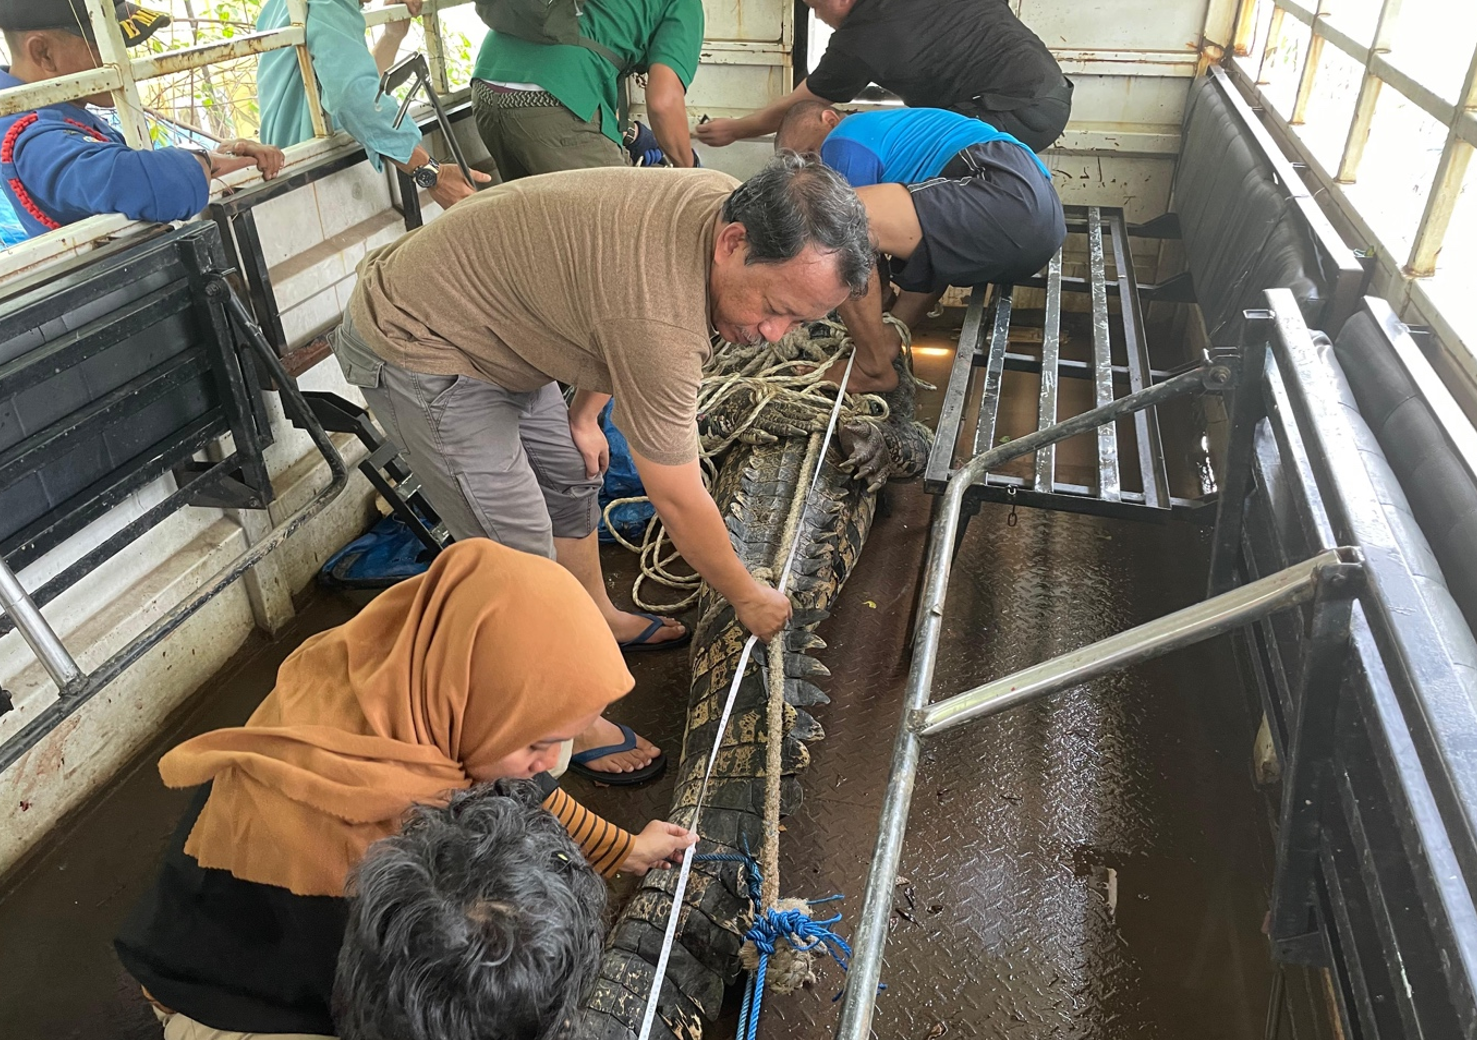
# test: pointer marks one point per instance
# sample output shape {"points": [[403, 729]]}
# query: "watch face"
{"points": [[426, 176]]}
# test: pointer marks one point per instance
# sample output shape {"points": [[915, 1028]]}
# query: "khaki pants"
{"points": [[181, 1027], [528, 141], [493, 463]]}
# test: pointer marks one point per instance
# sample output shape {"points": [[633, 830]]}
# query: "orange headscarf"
{"points": [[433, 682]]}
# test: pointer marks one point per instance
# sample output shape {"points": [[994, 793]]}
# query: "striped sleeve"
{"points": [[604, 844]]}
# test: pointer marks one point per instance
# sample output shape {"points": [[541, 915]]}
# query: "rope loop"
{"points": [[768, 371]]}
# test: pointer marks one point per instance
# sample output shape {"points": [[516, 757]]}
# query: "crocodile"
{"points": [[757, 479]]}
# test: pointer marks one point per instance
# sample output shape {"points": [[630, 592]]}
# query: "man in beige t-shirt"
{"points": [[612, 281]]}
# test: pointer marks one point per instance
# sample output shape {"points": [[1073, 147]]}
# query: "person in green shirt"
{"points": [[546, 107]]}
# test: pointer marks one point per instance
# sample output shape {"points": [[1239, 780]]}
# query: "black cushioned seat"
{"points": [[1241, 234], [1435, 478]]}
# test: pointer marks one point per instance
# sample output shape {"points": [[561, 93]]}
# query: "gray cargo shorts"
{"points": [[494, 463]]}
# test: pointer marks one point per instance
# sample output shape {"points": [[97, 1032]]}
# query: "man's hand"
{"points": [[451, 187], [590, 439], [717, 132], [764, 611], [642, 146], [398, 30], [659, 845], [238, 155]]}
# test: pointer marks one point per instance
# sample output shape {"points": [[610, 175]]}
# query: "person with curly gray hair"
{"points": [[480, 920]]}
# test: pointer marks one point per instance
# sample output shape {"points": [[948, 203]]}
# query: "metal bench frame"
{"points": [[1358, 603], [984, 345], [76, 687], [988, 351], [237, 221]]}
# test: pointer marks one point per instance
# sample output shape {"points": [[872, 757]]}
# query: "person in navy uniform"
{"points": [[61, 163]]}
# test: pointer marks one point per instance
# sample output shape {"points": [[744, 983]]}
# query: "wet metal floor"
{"points": [[1091, 866]]}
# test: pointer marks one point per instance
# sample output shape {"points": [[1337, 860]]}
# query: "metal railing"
{"points": [[120, 74], [76, 687], [921, 716], [1371, 651]]}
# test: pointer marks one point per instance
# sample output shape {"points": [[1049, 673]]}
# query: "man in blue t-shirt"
{"points": [[951, 201]]}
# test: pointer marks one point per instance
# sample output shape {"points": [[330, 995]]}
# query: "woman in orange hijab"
{"points": [[474, 671]]}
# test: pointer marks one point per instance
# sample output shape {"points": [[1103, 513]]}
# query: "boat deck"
{"points": [[1096, 865]]}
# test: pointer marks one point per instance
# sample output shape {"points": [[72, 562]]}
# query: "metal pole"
{"points": [[860, 998], [1286, 588], [297, 14], [1184, 383], [37, 631], [114, 54]]}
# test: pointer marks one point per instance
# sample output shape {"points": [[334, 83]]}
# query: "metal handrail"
{"points": [[871, 936]]}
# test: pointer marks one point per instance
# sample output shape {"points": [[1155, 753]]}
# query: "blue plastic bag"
{"points": [[12, 232], [622, 481], [387, 553]]}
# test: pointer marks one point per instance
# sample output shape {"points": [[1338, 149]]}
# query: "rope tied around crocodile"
{"points": [[751, 394], [786, 552], [779, 944], [755, 405]]}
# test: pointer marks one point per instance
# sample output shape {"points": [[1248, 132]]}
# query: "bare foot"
{"points": [[603, 734], [627, 626], [862, 381]]}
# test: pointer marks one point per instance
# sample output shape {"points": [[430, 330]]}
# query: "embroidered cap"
{"points": [[137, 23]]}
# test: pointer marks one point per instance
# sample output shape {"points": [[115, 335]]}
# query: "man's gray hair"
{"points": [[795, 202], [480, 920]]}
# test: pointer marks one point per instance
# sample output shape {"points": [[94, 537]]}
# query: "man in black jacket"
{"points": [[974, 57]]}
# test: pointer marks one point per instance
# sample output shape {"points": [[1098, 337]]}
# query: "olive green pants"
{"points": [[528, 141]]}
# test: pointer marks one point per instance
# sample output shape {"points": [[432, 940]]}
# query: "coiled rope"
{"points": [[773, 378]]}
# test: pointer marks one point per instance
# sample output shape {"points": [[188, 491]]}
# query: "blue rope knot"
{"points": [[802, 932]]}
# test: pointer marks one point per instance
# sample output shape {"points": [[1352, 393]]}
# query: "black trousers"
{"points": [[1036, 124]]}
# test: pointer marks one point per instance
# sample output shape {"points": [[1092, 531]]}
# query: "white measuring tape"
{"points": [[784, 579]]}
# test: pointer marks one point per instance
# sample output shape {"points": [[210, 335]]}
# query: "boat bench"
{"points": [[1370, 691], [1247, 221], [119, 370], [1247, 224], [113, 374], [1424, 435]]}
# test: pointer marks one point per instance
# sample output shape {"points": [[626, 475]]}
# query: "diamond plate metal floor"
{"points": [[1094, 866]]}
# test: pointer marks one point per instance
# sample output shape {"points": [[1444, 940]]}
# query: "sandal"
{"points": [[579, 764]]}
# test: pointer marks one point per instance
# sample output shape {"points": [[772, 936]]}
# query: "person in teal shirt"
{"points": [[546, 107], [348, 85]]}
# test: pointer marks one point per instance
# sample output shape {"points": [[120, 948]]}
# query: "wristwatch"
{"points": [[426, 176]]}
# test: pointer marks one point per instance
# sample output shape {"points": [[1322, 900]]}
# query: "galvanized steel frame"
{"points": [[1321, 578], [1364, 638], [984, 346]]}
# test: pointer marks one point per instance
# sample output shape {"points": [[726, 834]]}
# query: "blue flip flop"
{"points": [[579, 764], [640, 643]]}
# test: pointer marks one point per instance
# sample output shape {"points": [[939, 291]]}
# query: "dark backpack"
{"points": [[544, 21], [554, 21]]}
